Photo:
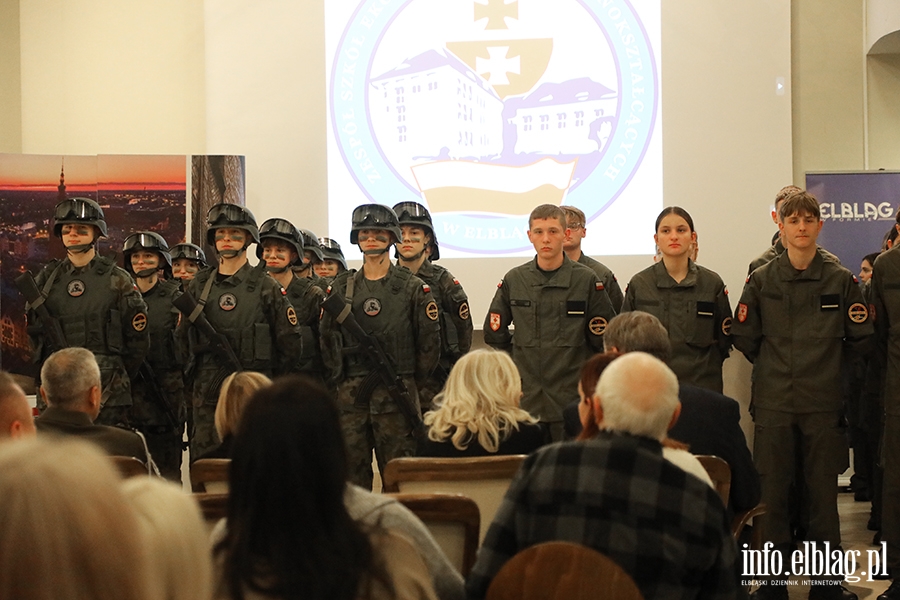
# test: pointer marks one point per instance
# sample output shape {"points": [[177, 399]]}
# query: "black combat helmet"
{"points": [[283, 230], [332, 250], [224, 215], [311, 242], [78, 210], [374, 216], [414, 214], [146, 240], [189, 251]]}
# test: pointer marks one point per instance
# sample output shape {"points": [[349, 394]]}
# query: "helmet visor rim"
{"points": [[75, 210], [143, 240]]}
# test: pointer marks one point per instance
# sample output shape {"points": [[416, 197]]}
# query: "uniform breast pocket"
{"points": [[773, 315], [525, 321], [829, 321], [703, 319], [571, 324]]}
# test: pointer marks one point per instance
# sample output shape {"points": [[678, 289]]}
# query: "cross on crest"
{"points": [[498, 65], [496, 12]]}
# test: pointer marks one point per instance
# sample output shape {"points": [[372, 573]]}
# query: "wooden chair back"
{"points": [[719, 472], [213, 506], [454, 522], [562, 571], [483, 479], [210, 475], [130, 466]]}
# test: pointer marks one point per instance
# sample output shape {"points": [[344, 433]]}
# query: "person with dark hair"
{"points": [[865, 267], [96, 304], [334, 262], [187, 260], [559, 310], [289, 533], [799, 318], [691, 302]]}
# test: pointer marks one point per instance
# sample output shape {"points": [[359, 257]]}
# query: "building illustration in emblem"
{"points": [[433, 105]]}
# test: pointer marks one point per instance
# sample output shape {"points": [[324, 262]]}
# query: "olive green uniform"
{"points": [[795, 326], [401, 313], [559, 318], [695, 312], [607, 278], [165, 359], [252, 311], [306, 298], [456, 325], [99, 308], [885, 288]]}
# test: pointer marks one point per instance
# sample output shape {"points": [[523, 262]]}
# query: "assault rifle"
{"points": [[218, 343], [340, 310], [51, 328], [152, 385]]}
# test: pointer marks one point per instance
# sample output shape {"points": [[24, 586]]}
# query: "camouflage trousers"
{"points": [[373, 423], [205, 436]]}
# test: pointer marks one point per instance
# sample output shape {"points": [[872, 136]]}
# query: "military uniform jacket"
{"points": [[607, 278], [885, 292], [398, 310], [306, 298], [793, 326], [99, 308], [166, 355], [695, 312], [456, 323], [777, 249], [559, 323], [253, 312]]}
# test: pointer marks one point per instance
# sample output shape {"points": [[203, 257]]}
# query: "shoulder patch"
{"points": [[328, 291], [139, 322], [748, 278], [599, 286], [432, 310], [726, 325], [858, 312], [500, 285], [426, 288], [495, 321], [456, 281], [597, 325], [283, 292], [464, 311], [726, 290], [742, 312], [855, 280], [291, 315]]}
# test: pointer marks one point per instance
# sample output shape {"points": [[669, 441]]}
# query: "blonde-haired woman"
{"points": [[234, 395], [478, 411]]}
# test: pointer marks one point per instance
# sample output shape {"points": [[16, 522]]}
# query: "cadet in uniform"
{"points": [[397, 308], [575, 223], [162, 385], [97, 305], [333, 263], [313, 256], [280, 248], [885, 290], [797, 317], [689, 300], [187, 260], [243, 304], [560, 310], [416, 251]]}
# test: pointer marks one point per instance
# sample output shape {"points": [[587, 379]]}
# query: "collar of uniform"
{"points": [[426, 270], [664, 280], [561, 277], [236, 279], [778, 247], [66, 417], [788, 273], [71, 268]]}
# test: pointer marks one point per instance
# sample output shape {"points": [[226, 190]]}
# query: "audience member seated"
{"points": [[15, 413], [710, 423], [174, 537], [478, 411], [234, 394], [673, 451], [617, 494], [288, 533], [66, 529], [70, 385]]}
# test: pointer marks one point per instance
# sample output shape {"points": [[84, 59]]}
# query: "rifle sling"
{"points": [[201, 302]]}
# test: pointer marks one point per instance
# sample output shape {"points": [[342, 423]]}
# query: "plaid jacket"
{"points": [[617, 494]]}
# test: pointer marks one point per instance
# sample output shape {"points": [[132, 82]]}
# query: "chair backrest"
{"points": [[129, 466], [562, 571], [719, 472], [213, 506], [453, 521], [210, 475], [484, 479]]}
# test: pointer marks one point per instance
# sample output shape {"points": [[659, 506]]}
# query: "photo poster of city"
{"points": [[483, 109], [858, 209], [136, 193]]}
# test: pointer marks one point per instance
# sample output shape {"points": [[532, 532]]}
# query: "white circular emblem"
{"points": [[227, 302], [372, 306], [75, 288]]}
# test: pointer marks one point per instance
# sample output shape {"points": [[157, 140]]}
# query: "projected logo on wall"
{"points": [[483, 110]]}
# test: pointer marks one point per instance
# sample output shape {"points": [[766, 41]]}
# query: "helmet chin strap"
{"points": [[376, 252], [79, 248], [413, 258], [230, 253], [146, 273], [277, 270]]}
